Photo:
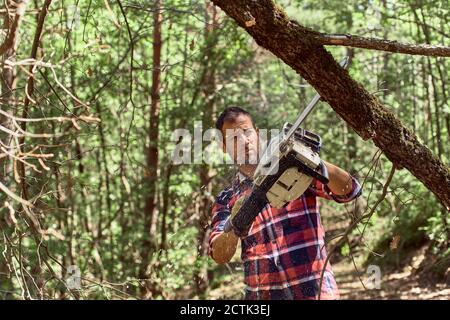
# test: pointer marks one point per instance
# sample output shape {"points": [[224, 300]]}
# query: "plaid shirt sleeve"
{"points": [[323, 191], [220, 212]]}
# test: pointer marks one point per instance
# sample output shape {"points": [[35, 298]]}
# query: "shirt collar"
{"points": [[241, 180]]}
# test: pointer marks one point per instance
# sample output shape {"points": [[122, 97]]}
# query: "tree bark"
{"points": [[298, 47]]}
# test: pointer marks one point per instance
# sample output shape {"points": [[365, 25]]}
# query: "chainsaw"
{"points": [[286, 169]]}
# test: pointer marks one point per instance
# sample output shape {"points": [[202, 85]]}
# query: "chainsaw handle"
{"points": [[324, 177], [320, 173], [228, 225], [252, 205]]}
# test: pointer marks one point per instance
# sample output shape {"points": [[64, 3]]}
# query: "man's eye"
{"points": [[249, 132]]}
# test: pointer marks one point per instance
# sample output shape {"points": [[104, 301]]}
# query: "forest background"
{"points": [[91, 205]]}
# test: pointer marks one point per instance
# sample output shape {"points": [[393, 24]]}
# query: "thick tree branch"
{"points": [[298, 47], [382, 45]]}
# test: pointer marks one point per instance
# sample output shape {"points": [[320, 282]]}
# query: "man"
{"points": [[283, 251]]}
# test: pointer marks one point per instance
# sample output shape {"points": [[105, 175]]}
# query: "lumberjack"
{"points": [[283, 249]]}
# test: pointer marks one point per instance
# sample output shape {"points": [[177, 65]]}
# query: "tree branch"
{"points": [[349, 40], [298, 47]]}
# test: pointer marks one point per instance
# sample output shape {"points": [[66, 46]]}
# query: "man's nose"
{"points": [[247, 142]]}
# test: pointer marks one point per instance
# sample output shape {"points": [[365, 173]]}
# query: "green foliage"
{"points": [[93, 198]]}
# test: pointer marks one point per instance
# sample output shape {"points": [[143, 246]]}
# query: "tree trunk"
{"points": [[7, 87], [208, 89], [150, 211], [296, 45]]}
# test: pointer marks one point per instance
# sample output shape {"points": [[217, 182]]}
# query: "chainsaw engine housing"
{"points": [[287, 169]]}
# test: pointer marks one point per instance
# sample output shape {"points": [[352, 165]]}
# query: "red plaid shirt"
{"points": [[284, 252]]}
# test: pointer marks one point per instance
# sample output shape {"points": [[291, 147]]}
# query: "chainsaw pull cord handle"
{"points": [[228, 225]]}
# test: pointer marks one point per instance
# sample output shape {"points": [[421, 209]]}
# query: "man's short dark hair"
{"points": [[229, 115]]}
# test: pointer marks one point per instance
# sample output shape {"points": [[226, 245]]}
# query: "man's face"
{"points": [[241, 140]]}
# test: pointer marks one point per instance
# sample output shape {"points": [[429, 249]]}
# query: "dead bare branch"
{"points": [[349, 40]]}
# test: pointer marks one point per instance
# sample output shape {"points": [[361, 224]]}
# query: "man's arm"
{"points": [[224, 247], [342, 187], [340, 180]]}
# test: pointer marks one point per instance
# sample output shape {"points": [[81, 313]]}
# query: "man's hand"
{"points": [[340, 180], [224, 246], [239, 230]]}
